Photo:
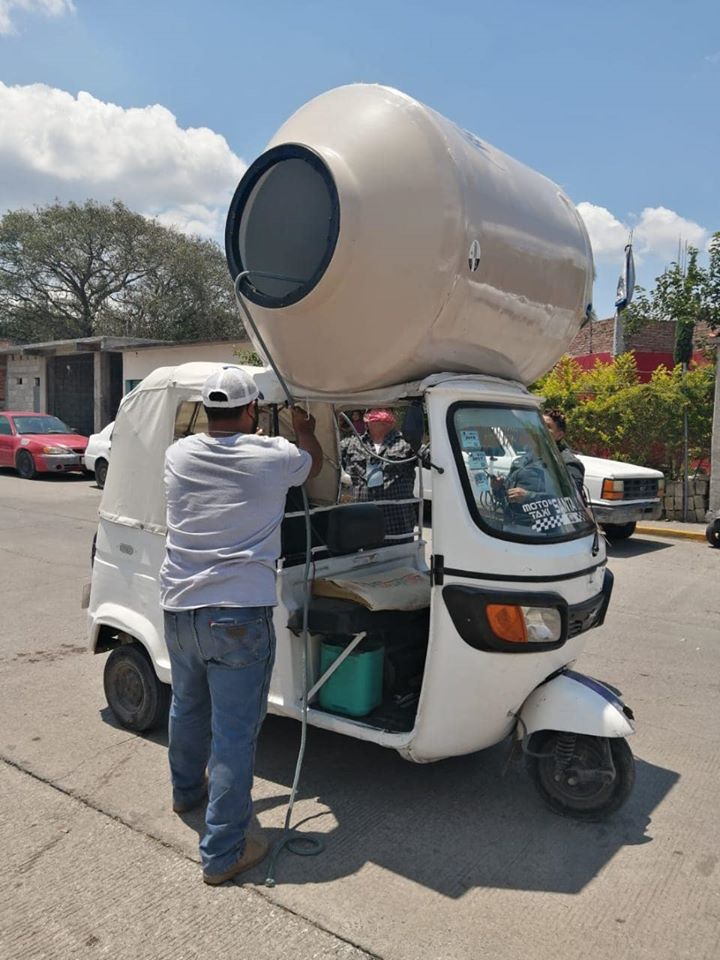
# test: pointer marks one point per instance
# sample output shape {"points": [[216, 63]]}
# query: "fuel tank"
{"points": [[411, 247]]}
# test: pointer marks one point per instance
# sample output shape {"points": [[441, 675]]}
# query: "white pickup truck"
{"points": [[620, 494]]}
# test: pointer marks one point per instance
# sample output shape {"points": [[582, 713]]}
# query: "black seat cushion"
{"points": [[329, 616], [342, 530]]}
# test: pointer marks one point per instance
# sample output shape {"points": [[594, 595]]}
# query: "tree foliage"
{"points": [[610, 413], [70, 270], [687, 293]]}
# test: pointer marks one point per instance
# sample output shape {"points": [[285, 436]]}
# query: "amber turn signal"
{"points": [[612, 490], [507, 622]]}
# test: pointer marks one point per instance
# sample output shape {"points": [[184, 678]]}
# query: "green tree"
{"points": [[687, 294], [70, 270]]}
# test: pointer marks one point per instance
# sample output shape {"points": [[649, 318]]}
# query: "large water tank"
{"points": [[413, 247]]}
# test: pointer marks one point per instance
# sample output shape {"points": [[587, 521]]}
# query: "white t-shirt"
{"points": [[225, 502]]}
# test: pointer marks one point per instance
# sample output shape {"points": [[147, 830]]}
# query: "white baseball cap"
{"points": [[230, 387]]}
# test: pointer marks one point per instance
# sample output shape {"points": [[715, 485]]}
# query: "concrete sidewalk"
{"points": [[672, 528], [78, 884]]}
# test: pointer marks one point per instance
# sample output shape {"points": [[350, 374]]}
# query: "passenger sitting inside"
{"points": [[373, 478]]}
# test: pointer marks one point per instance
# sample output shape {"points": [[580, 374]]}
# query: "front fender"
{"points": [[574, 703], [136, 625]]}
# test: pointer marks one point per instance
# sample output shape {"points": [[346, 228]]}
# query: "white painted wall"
{"points": [[137, 364]]}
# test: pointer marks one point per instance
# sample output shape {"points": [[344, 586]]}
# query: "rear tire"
{"points": [[136, 697], [712, 533], [25, 465], [593, 800], [619, 531], [101, 469]]}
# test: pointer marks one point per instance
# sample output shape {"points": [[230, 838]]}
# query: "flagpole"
{"points": [[625, 288]]}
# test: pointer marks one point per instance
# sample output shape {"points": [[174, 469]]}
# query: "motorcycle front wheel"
{"points": [[568, 787]]}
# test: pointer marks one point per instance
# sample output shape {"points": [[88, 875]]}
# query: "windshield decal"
{"points": [[552, 512]]}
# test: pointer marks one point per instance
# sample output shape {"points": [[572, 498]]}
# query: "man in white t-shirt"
{"points": [[225, 493]]}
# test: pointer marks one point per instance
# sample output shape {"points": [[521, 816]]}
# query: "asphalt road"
{"points": [[450, 861]]}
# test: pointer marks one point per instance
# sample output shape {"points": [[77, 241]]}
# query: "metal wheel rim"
{"points": [[129, 687], [582, 795]]}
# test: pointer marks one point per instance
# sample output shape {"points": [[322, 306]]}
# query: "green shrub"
{"points": [[610, 413]]}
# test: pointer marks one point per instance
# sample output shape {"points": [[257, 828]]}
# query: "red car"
{"points": [[38, 443]]}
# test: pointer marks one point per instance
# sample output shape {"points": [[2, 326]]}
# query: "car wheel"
{"points": [[712, 533], [137, 698], [101, 469], [25, 465], [619, 531]]}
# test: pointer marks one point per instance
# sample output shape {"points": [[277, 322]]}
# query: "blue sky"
{"points": [[617, 102]]}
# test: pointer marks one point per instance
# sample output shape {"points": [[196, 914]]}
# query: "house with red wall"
{"points": [[652, 346]]}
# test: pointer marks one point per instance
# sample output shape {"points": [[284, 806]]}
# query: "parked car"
{"points": [[35, 443], [97, 454]]}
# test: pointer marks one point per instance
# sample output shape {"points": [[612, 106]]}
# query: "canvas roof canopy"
{"points": [[146, 425]]}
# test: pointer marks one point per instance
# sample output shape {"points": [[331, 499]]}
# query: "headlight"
{"points": [[56, 450], [520, 624]]}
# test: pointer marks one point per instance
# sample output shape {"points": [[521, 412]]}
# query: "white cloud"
{"points": [[656, 233], [48, 8], [607, 233], [54, 145]]}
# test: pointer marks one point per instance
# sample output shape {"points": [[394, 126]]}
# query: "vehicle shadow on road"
{"points": [[69, 477], [450, 826], [636, 547]]}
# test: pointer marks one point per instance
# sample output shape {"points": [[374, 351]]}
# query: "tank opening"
{"points": [[283, 219]]}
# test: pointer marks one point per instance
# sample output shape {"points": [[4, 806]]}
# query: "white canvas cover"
{"points": [[144, 428]]}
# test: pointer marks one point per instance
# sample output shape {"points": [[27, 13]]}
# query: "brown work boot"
{"points": [[179, 807], [256, 849]]}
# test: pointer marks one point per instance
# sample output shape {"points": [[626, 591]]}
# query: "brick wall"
{"points": [[596, 337], [653, 345]]}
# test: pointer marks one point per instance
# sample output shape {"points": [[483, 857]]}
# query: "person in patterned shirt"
{"points": [[373, 479]]}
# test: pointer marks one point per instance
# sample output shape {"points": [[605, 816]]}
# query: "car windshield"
{"points": [[515, 481], [40, 424]]}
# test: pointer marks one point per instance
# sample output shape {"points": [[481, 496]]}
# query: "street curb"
{"points": [[671, 532]]}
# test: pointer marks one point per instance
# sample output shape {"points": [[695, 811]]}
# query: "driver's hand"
{"points": [[516, 494], [302, 422]]}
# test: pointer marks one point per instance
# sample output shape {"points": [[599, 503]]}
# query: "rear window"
{"points": [[515, 482]]}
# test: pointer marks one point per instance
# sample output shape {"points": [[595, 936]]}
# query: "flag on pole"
{"points": [[626, 281]]}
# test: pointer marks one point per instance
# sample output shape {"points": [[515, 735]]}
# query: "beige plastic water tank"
{"points": [[412, 246]]}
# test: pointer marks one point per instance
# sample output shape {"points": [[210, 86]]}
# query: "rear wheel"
{"points": [[712, 533], [134, 694], [572, 774], [619, 531], [101, 469], [25, 465]]}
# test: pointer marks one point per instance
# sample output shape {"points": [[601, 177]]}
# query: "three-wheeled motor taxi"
{"points": [[418, 268]]}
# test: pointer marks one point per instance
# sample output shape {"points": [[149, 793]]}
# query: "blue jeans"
{"points": [[221, 660]]}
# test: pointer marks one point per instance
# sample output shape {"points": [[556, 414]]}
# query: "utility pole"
{"points": [[714, 504]]}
